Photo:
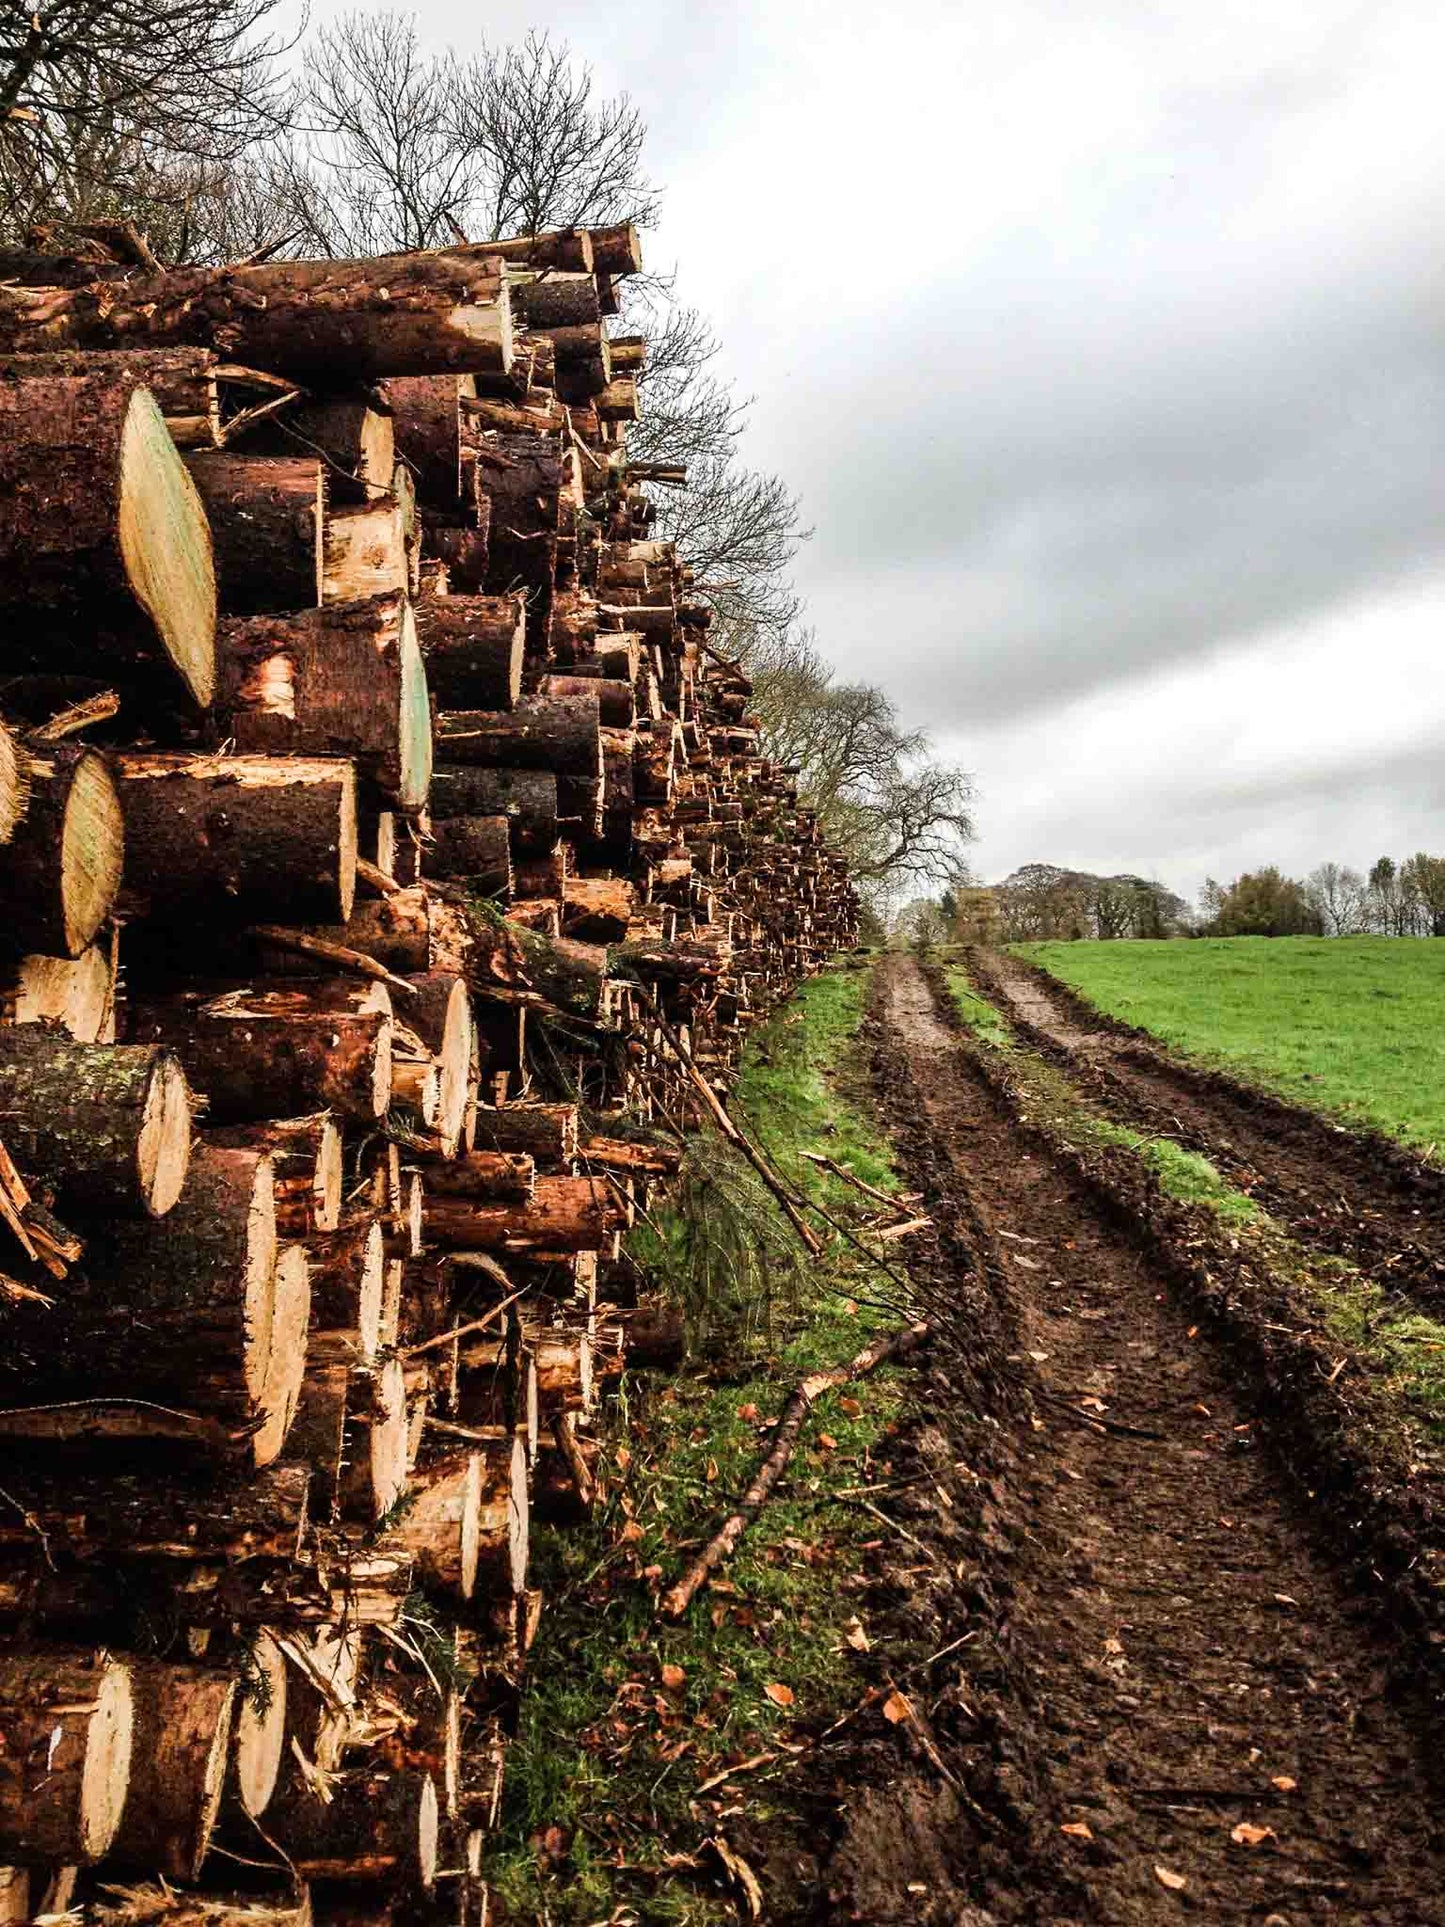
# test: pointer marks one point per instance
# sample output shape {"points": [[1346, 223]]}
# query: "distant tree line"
{"points": [[1044, 903]]}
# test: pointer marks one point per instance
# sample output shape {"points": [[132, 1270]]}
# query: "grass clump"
{"points": [[1350, 1025], [625, 1715]]}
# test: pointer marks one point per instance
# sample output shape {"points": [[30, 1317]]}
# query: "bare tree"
{"points": [[1341, 897], [97, 96]]}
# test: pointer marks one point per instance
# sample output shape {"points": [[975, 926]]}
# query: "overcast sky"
{"points": [[1104, 345]]}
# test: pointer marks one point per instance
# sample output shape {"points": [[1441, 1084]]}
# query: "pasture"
{"points": [[1354, 1026]]}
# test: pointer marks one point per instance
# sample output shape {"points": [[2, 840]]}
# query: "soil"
{"points": [[1166, 1695], [1354, 1193]]}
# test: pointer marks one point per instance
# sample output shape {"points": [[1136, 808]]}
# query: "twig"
{"points": [[355, 962], [464, 1331], [567, 1445], [75, 717], [675, 1601], [373, 874], [728, 1773]]}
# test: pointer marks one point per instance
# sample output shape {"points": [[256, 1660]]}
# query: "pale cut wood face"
{"points": [[165, 546]]}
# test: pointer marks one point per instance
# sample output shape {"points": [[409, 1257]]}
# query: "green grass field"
{"points": [[1354, 1026]]}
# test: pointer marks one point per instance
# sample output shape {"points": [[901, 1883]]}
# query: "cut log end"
{"points": [[92, 842], [163, 1150], [105, 1776], [261, 1727], [285, 1367], [260, 1272], [166, 546], [416, 723]]}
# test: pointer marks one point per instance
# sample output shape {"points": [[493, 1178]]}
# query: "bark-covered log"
{"points": [[61, 870], [282, 1050], [474, 647], [348, 1274], [561, 734], [306, 1163], [108, 1124], [557, 299], [105, 1516], [563, 1214], [617, 700], [564, 1367], [67, 1720], [617, 249], [352, 433], [408, 931], [243, 836], [104, 549], [526, 797], [182, 1732], [266, 517], [426, 411], [344, 680], [374, 1458], [377, 1829], [182, 380], [571, 976], [598, 909], [569, 248], [493, 1176], [440, 1013], [329, 323], [547, 1133], [474, 852]]}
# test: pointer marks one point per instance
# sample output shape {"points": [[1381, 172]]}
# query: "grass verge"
{"points": [[1354, 1026], [626, 1719]]}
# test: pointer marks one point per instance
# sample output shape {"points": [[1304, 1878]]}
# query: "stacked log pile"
{"points": [[391, 874]]}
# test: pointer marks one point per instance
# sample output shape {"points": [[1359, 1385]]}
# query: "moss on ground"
{"points": [[626, 1717]]}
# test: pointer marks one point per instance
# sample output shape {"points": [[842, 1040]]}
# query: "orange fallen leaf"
{"points": [[747, 1411], [1246, 1834], [1077, 1829], [673, 1676], [1284, 1783], [850, 1407], [630, 1533], [779, 1694], [623, 1457], [1166, 1876], [897, 1707], [712, 1472], [827, 1441]]}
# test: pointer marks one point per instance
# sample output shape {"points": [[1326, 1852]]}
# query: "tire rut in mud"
{"points": [[1351, 1193], [1175, 1673]]}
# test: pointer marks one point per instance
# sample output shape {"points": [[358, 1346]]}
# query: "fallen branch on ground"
{"points": [[676, 1600]]}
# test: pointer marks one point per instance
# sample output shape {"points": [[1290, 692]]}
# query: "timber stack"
{"points": [[391, 873]]}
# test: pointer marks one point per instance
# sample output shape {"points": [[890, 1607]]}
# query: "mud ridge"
{"points": [[1159, 1659], [1354, 1193]]}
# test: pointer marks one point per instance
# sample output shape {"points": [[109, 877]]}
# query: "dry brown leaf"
{"points": [[1246, 1834], [850, 1407], [1166, 1876], [712, 1472], [630, 1533], [827, 1441], [673, 1677], [1077, 1829], [748, 1412], [1283, 1783], [897, 1707], [779, 1694], [857, 1638]]}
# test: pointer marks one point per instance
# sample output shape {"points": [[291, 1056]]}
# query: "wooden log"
{"points": [[562, 735], [617, 249], [571, 976], [103, 539], [463, 548], [75, 993], [569, 248], [352, 434], [266, 518], [374, 1461], [240, 835], [472, 851], [105, 1124], [493, 1176], [547, 1133], [618, 401], [426, 411], [14, 782], [182, 380], [306, 1164], [377, 1828], [344, 680], [474, 647], [348, 1274], [104, 1517], [322, 322], [183, 1718], [563, 1214], [557, 299], [283, 1050], [617, 701], [440, 1013], [408, 931], [598, 909], [564, 1367], [61, 869], [631, 1157], [67, 1719], [365, 550], [526, 797]]}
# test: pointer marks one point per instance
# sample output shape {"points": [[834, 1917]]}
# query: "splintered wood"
{"points": [[391, 875]]}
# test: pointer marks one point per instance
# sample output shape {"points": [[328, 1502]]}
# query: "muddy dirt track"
{"points": [[1166, 1664], [1352, 1193]]}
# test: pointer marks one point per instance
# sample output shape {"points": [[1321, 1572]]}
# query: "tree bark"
{"points": [[353, 436], [61, 870], [345, 680], [240, 835], [306, 1164], [284, 1050], [67, 1720], [473, 852], [327, 323], [545, 1132], [182, 1733], [526, 797], [106, 1124], [617, 701], [491, 1176], [598, 909], [562, 735], [563, 1214], [100, 1517], [348, 1275], [426, 410], [474, 647], [266, 519]]}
